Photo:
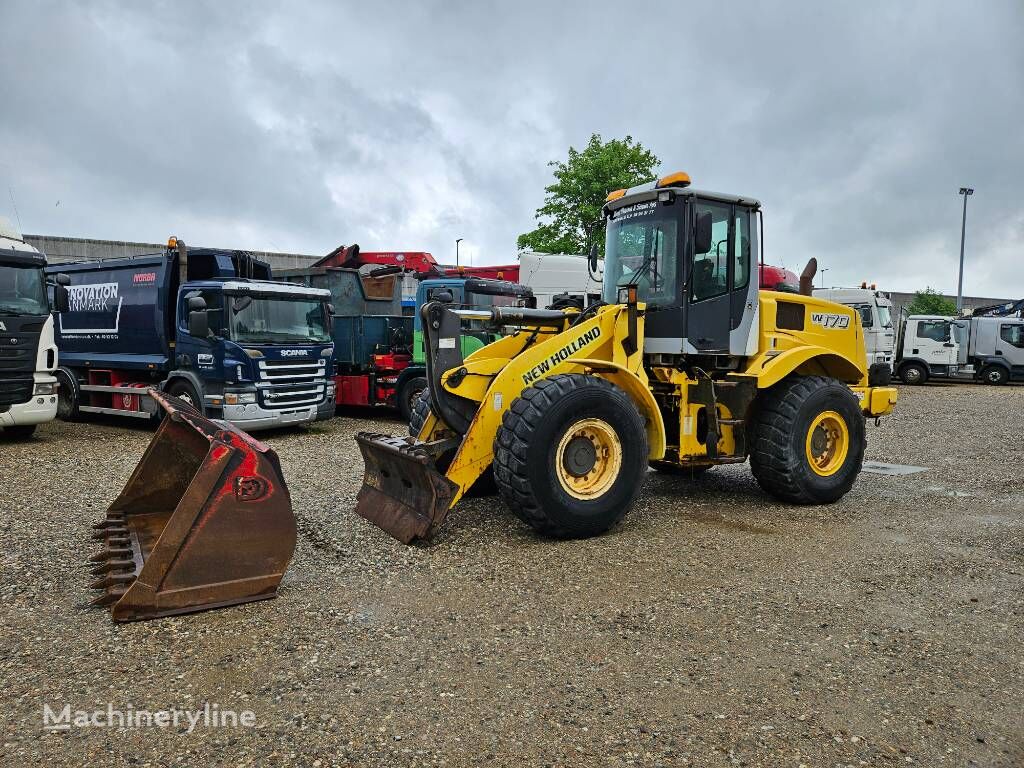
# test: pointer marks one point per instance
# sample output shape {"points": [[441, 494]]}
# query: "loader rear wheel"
{"points": [[809, 440], [570, 455]]}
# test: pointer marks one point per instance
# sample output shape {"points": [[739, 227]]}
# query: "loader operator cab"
{"points": [[691, 255]]}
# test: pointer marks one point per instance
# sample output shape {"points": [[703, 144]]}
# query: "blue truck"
{"points": [[208, 326]]}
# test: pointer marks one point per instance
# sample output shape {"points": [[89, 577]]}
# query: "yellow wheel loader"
{"points": [[684, 365]]}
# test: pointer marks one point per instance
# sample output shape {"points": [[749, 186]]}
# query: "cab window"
{"points": [[865, 315], [741, 249], [936, 330], [1012, 334], [710, 274]]}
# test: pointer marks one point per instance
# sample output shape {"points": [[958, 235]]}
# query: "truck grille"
{"points": [[18, 349], [287, 384], [15, 389]]}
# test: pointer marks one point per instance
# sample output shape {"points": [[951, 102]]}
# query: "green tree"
{"points": [[573, 202], [931, 302]]}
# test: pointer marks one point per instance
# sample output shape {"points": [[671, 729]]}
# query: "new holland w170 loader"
{"points": [[685, 365]]}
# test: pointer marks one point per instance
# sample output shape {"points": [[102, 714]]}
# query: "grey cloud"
{"points": [[300, 126]]}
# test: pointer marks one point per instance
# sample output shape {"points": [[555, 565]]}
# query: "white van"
{"points": [[553, 274]]}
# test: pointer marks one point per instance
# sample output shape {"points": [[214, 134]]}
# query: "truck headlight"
{"points": [[239, 398], [330, 389], [44, 388]]}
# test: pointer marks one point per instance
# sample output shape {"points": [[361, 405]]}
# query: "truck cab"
{"points": [[461, 293], [28, 353], [207, 326], [875, 310]]}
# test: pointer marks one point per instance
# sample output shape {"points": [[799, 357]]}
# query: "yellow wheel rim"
{"points": [[828, 443], [588, 459]]}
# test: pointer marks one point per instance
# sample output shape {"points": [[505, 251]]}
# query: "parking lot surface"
{"points": [[714, 627]]}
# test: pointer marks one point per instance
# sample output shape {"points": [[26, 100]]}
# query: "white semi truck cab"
{"points": [[875, 311], [28, 353]]}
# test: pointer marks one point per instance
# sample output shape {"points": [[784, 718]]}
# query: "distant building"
{"points": [[60, 250]]}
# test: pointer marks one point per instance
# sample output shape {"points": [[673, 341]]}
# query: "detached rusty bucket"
{"points": [[403, 492], [204, 522]]}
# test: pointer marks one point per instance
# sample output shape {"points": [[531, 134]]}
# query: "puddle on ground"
{"points": [[881, 468]]}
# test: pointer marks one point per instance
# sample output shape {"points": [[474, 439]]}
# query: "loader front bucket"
{"points": [[403, 493], [205, 521]]}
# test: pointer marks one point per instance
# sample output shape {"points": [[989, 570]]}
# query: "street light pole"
{"points": [[457, 241], [823, 271], [966, 192]]}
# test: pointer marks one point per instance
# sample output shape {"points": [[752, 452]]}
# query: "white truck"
{"points": [[28, 353], [558, 278], [989, 349], [875, 311]]}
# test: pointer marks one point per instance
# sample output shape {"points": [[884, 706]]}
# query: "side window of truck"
{"points": [[1012, 334], [936, 330], [865, 314]]}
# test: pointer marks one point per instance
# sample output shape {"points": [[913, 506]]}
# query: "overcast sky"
{"points": [[300, 126]]}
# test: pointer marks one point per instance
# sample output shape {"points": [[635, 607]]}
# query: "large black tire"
{"points": [[537, 436], [913, 373], [68, 396], [184, 390], [484, 485], [994, 374], [783, 440], [409, 395], [420, 411], [19, 431]]}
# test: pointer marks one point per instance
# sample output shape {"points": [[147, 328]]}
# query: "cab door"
{"points": [[1010, 346], [709, 307]]}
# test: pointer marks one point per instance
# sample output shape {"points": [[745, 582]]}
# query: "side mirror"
{"points": [[702, 233], [62, 279], [196, 304], [241, 302], [198, 323], [330, 310], [592, 258], [443, 295], [60, 296]]}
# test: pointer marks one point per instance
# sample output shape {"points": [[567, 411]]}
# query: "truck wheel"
{"points": [[809, 440], [183, 390], [68, 396], [408, 396], [484, 486], [420, 411], [690, 471], [570, 455], [20, 431], [913, 373], [994, 374]]}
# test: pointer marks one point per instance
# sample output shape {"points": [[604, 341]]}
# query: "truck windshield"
{"points": [[885, 315], [22, 290], [274, 320], [641, 248]]}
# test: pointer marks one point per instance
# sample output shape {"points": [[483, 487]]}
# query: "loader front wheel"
{"points": [[570, 455], [809, 440]]}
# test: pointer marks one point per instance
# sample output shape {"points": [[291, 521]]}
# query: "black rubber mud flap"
{"points": [[403, 493]]}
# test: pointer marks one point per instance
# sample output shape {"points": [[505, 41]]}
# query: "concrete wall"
{"points": [[64, 249]]}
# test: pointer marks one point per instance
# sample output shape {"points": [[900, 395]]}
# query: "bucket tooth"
{"points": [[112, 579], [112, 565], [107, 598], [108, 553]]}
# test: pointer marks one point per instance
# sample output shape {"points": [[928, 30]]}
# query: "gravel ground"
{"points": [[714, 627]]}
